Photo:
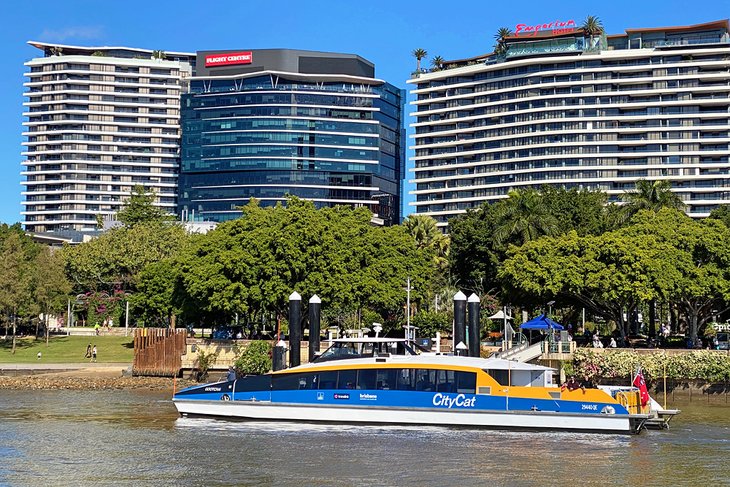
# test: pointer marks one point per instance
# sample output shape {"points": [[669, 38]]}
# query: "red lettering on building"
{"points": [[557, 27], [228, 59]]}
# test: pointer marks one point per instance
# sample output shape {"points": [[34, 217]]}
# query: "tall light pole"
{"points": [[408, 308]]}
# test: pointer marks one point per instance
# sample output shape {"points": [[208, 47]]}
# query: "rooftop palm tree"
{"points": [[437, 63], [652, 195], [419, 54], [523, 217], [501, 37], [592, 27]]}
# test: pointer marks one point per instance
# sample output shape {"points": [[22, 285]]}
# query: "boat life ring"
{"points": [[225, 397]]}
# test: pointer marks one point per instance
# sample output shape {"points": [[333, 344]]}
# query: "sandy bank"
{"points": [[97, 378]]}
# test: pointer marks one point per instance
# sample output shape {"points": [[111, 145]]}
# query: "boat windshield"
{"points": [[360, 349]]}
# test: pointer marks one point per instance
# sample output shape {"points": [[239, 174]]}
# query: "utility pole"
{"points": [[408, 310]]}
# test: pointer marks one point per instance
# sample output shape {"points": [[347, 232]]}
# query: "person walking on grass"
{"points": [[88, 351], [93, 354]]}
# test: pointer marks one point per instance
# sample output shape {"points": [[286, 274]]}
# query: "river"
{"points": [[136, 438]]}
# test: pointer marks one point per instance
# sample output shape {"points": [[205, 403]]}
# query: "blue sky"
{"points": [[384, 32]]}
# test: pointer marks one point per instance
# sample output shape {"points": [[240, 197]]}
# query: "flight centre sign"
{"points": [[228, 59]]}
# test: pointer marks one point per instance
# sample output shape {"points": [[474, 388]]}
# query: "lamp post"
{"points": [[550, 308]]}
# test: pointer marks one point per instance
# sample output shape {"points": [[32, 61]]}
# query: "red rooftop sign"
{"points": [[557, 26], [228, 59]]}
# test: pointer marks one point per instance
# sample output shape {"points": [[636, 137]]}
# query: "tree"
{"points": [[419, 54], [721, 213], [428, 237], [592, 27], [500, 48], [140, 208], [609, 274], [51, 287], [157, 54], [580, 210], [16, 277], [702, 258], [114, 259], [437, 63], [251, 265], [472, 257], [522, 217], [652, 195]]}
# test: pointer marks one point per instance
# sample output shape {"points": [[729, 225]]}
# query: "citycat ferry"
{"points": [[442, 390]]}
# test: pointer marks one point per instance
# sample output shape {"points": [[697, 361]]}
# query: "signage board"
{"points": [[228, 59], [556, 26]]}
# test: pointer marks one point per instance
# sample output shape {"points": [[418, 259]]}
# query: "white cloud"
{"points": [[81, 32]]}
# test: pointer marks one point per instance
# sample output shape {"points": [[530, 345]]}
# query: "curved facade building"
{"points": [[100, 120], [564, 108], [269, 123]]}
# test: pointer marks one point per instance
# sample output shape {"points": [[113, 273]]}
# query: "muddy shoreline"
{"points": [[89, 382]]}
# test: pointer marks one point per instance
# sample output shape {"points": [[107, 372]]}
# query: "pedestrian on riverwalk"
{"points": [[93, 354]]}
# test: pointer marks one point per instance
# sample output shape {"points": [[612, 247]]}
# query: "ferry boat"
{"points": [[424, 389]]}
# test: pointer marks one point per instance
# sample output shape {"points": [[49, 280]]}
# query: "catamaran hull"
{"points": [[521, 420]]}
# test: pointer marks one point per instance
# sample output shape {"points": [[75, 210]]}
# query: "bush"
{"points": [[255, 359], [701, 365], [205, 360], [429, 322]]}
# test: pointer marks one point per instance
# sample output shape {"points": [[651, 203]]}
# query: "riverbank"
{"points": [[90, 378]]}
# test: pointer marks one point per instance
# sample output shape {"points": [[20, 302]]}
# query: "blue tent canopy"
{"points": [[541, 322]]}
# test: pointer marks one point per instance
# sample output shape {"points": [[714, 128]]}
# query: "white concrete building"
{"points": [[100, 120], [560, 107]]}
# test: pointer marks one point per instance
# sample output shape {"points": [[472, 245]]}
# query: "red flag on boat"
{"points": [[643, 391]]}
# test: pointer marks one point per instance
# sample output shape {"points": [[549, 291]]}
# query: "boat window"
{"points": [[501, 376], [445, 381], [466, 382], [366, 378], [406, 379], [253, 383], [347, 379], [290, 382], [328, 380], [387, 379]]}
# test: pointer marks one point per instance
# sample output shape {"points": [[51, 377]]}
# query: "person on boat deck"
{"points": [[231, 374], [573, 384]]}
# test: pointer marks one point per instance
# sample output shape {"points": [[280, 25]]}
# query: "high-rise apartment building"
{"points": [[100, 120], [559, 106], [269, 123]]}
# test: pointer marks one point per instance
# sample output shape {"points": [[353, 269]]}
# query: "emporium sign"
{"points": [[228, 59], [556, 26]]}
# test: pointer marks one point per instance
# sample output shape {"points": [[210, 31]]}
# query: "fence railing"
{"points": [[158, 351]]}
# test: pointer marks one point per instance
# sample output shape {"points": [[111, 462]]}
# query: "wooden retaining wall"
{"points": [[158, 351]]}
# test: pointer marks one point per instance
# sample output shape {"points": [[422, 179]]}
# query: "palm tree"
{"points": [[419, 54], [427, 235], [592, 27], [523, 217], [501, 37], [157, 54], [437, 63], [652, 195]]}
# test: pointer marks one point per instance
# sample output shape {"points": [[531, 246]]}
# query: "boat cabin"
{"points": [[363, 347]]}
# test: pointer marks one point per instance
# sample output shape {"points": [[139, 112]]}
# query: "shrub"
{"points": [[701, 365], [254, 359]]}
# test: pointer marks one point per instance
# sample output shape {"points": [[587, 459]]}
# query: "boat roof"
{"points": [[368, 340], [426, 359]]}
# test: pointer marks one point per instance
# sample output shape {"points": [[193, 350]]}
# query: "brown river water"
{"points": [[136, 438]]}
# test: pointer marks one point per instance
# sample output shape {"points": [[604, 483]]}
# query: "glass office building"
{"points": [[562, 107], [269, 123]]}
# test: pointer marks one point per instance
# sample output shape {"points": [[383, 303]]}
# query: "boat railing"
{"points": [[631, 400]]}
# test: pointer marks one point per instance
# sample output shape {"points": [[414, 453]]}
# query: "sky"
{"points": [[384, 32]]}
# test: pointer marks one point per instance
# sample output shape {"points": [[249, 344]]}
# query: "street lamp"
{"points": [[550, 308]]}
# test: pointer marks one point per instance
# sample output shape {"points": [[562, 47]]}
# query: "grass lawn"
{"points": [[67, 349]]}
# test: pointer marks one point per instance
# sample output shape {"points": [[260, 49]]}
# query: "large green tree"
{"points": [[523, 217], [17, 254], [252, 264], [140, 208]]}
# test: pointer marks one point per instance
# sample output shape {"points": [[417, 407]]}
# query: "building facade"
{"points": [[100, 120], [561, 107], [270, 123]]}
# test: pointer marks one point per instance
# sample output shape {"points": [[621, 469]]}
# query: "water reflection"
{"points": [[125, 438]]}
